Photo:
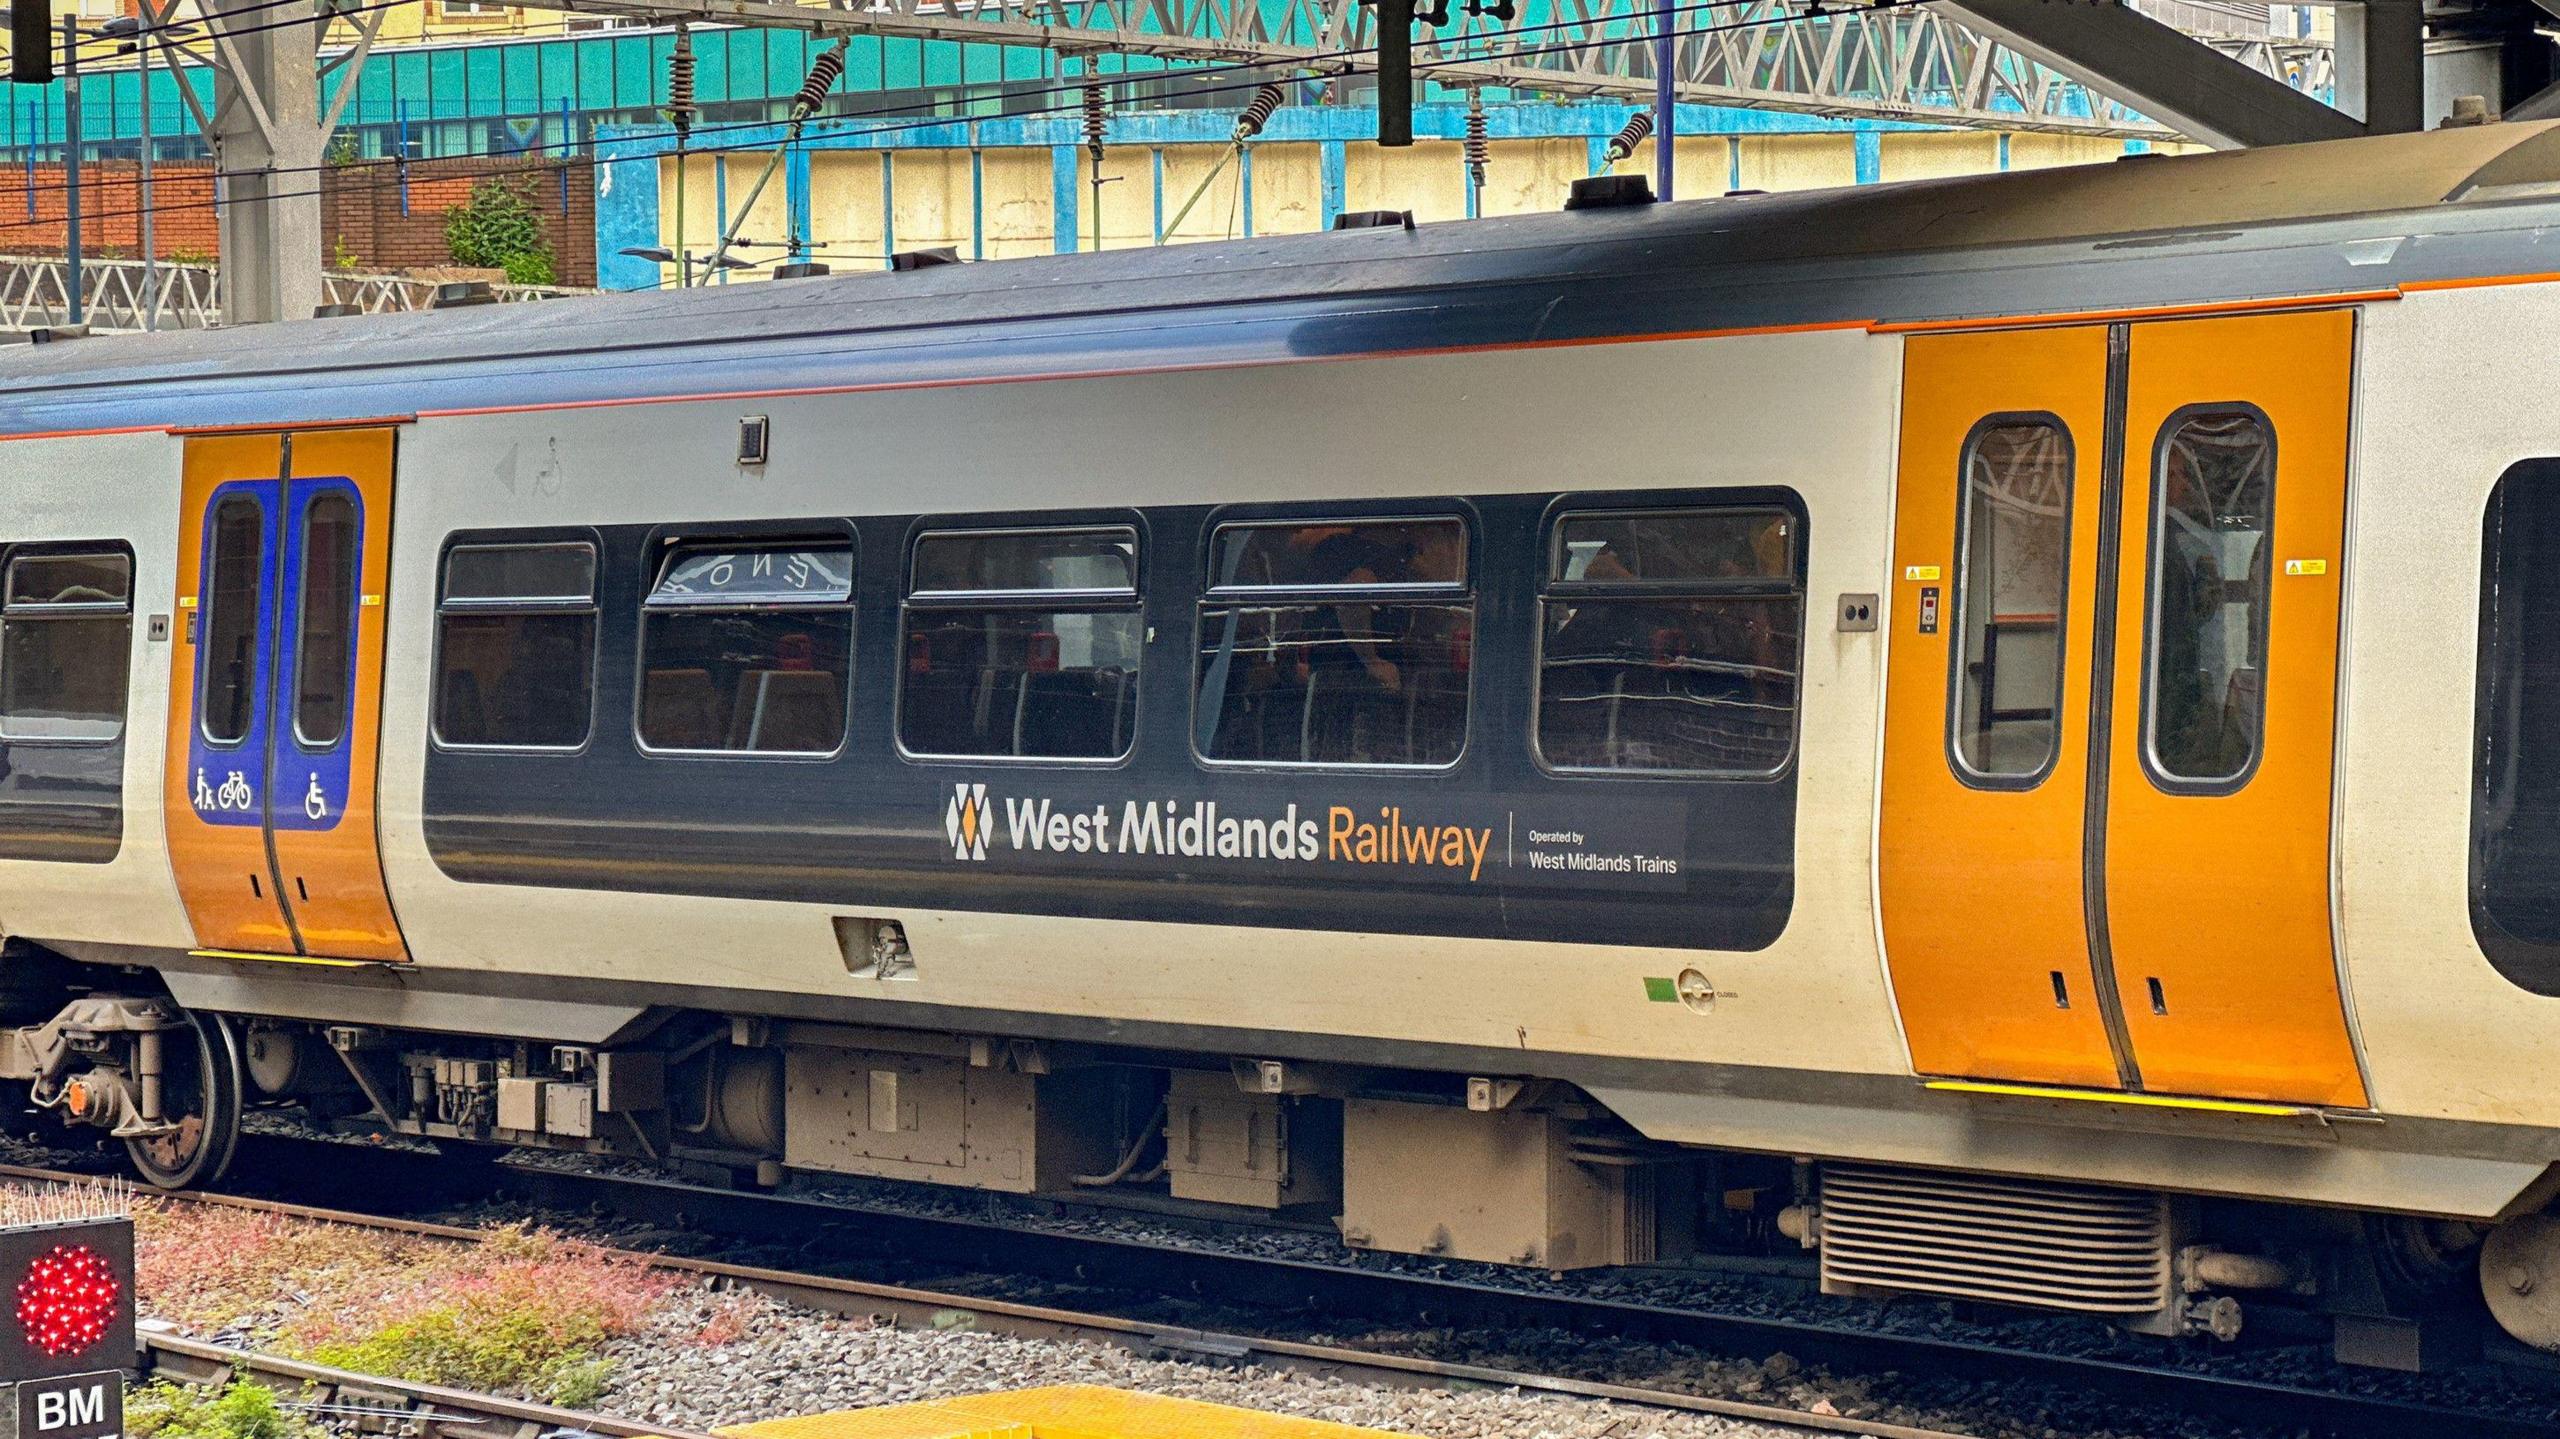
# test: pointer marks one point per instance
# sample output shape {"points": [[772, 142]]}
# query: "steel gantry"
{"points": [[1906, 61]]}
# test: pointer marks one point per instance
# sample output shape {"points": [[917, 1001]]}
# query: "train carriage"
{"points": [[1992, 727]]}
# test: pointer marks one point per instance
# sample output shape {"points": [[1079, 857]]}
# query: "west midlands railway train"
{"points": [[2005, 731]]}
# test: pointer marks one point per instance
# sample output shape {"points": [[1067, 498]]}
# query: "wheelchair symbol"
{"points": [[314, 803]]}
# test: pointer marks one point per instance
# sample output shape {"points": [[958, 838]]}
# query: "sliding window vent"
{"points": [[2002, 1241]]}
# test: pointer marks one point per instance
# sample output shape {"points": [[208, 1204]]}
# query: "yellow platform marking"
{"points": [[321, 960], [2101, 1096], [1066, 1411]]}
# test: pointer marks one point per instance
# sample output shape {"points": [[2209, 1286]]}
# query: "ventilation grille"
{"points": [[2003, 1241]]}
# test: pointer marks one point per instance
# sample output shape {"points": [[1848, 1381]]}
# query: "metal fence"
{"points": [[125, 295]]}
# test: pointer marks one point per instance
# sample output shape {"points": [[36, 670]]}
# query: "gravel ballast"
{"points": [[795, 1361]]}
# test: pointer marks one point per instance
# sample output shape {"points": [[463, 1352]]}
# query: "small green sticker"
{"points": [[1661, 991]]}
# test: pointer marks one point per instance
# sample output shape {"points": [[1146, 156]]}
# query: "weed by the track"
{"points": [[524, 1312], [528, 1314], [244, 1410]]}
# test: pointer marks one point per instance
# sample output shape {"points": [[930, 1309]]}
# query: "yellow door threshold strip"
{"points": [[2108, 1096]]}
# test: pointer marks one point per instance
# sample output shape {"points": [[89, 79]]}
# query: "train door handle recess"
{"points": [[2061, 991], [2159, 997]]}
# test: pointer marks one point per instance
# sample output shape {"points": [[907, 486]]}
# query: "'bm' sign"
{"points": [[77, 1406]]}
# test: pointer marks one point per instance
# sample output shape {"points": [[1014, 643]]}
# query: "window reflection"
{"points": [[1348, 660], [1671, 642], [2013, 562], [2210, 553]]}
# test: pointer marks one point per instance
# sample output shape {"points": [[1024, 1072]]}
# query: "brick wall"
{"points": [[360, 211], [182, 220]]}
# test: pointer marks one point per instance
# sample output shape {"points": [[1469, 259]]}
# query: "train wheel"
{"points": [[200, 1083]]}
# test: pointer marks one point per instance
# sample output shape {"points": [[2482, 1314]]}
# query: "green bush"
{"points": [[498, 229], [531, 268], [245, 1410]]}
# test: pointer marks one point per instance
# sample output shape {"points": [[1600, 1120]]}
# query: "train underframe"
{"points": [[1523, 1172]]}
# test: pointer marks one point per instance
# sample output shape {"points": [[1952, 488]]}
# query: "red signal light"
{"points": [[67, 1299]]}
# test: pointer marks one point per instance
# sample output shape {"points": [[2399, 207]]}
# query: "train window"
{"points": [[515, 647], [521, 574], [66, 646], [2515, 798], [1102, 562], [2013, 541], [748, 649], [324, 647], [231, 621], [1022, 644], [1335, 642], [1670, 641], [2204, 686]]}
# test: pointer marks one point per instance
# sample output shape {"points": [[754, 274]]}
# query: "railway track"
{"points": [[371, 1405], [827, 1235]]}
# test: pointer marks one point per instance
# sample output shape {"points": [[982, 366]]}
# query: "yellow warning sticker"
{"points": [[1919, 572], [186, 602], [2306, 567]]}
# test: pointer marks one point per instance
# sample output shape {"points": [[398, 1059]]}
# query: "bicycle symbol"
{"points": [[235, 793], [314, 803]]}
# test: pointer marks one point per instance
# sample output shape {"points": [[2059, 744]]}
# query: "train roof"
{"points": [[2337, 217]]}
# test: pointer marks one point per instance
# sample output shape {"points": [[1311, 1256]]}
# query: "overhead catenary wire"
{"points": [[1322, 63], [1318, 61], [376, 178]]}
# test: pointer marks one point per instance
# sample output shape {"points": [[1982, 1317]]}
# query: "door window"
{"points": [[2013, 560], [2204, 697], [239, 567], [324, 649]]}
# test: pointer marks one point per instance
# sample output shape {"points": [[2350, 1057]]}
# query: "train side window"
{"points": [[2013, 561], [515, 646], [1670, 641], [232, 602], [1335, 642], [66, 646], [2204, 686], [748, 649], [2515, 798], [324, 649], [1022, 644]]}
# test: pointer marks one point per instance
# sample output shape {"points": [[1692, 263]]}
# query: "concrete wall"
{"points": [[1026, 186]]}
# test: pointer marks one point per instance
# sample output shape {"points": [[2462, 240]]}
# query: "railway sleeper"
{"points": [[1520, 1171]]}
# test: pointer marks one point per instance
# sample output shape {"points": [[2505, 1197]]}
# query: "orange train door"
{"points": [[276, 684], [2111, 707]]}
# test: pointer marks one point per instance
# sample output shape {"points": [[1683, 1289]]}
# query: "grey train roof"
{"points": [[2342, 216]]}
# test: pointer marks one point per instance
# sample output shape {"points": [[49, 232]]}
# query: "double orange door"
{"points": [[276, 693], [2111, 707]]}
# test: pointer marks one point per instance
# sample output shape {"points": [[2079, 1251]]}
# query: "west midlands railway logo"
{"points": [[964, 820]]}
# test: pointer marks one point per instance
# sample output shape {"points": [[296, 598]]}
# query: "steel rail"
{"points": [[837, 1233], [931, 1310], [423, 1411]]}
